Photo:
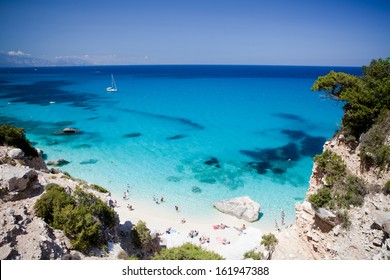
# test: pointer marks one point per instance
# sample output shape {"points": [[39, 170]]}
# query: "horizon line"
{"points": [[178, 64]]}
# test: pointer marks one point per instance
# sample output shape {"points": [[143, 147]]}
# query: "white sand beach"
{"points": [[160, 217]]}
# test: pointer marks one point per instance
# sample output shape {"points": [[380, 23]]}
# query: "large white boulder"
{"points": [[16, 178], [16, 153], [241, 207]]}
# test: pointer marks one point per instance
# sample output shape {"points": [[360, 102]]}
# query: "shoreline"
{"points": [[160, 217]]}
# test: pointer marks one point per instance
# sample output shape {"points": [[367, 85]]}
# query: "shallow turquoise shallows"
{"points": [[193, 134]]}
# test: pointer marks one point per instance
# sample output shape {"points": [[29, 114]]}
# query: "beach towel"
{"points": [[220, 240]]}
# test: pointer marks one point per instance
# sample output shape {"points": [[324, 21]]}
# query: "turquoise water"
{"points": [[193, 134]]}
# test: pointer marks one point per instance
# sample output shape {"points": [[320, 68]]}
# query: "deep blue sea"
{"points": [[193, 134]]}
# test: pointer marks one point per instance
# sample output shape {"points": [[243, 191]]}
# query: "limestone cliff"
{"points": [[319, 234], [23, 235]]}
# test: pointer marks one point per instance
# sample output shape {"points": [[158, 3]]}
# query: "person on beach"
{"points": [[225, 241], [277, 226], [177, 208], [183, 221], [124, 196], [203, 239], [222, 226]]}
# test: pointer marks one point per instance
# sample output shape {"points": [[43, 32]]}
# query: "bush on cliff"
{"points": [[374, 151], [16, 137], [269, 241], [342, 189], [82, 216], [364, 97], [186, 251], [387, 187]]}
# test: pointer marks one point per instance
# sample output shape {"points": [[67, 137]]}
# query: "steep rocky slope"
{"points": [[319, 233], [23, 235]]}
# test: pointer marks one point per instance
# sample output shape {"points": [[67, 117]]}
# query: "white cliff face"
{"points": [[22, 234], [241, 207], [316, 235]]}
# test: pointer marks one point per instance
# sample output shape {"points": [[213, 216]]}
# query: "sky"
{"points": [[260, 32]]}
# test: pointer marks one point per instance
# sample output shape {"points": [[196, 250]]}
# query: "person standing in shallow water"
{"points": [[283, 217], [177, 208]]}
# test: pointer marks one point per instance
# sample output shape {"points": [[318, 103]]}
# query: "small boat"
{"points": [[113, 87]]}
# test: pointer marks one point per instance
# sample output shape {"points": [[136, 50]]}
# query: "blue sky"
{"points": [[280, 32]]}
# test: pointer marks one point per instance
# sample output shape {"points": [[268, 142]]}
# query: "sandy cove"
{"points": [[160, 217]]}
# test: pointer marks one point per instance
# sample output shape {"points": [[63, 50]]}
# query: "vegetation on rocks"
{"points": [[374, 149], [98, 188], [143, 240], [16, 137], [365, 98], [187, 251], [340, 189], [387, 187], [269, 241], [82, 216], [254, 255]]}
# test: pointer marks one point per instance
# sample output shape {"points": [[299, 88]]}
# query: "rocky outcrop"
{"points": [[240, 207], [322, 234], [15, 153], [22, 234], [17, 179], [67, 131], [58, 162]]}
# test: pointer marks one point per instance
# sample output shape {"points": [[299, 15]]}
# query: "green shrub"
{"points": [[374, 152], [269, 241], [82, 216], [187, 251], [345, 221], [98, 188], [252, 254], [364, 97], [13, 136], [353, 192], [387, 187], [342, 189], [140, 235], [332, 166], [321, 198]]}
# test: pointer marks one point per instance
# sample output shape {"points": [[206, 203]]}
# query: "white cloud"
{"points": [[17, 53]]}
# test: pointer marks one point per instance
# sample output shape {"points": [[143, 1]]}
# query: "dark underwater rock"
{"points": [[89, 161], [132, 135], [175, 137], [213, 162], [196, 189]]}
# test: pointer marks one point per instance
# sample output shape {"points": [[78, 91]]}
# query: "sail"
{"points": [[113, 84]]}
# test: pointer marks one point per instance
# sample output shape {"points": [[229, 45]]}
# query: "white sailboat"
{"points": [[113, 87]]}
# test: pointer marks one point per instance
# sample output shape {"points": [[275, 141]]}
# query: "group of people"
{"points": [[193, 233], [130, 207], [283, 223], [221, 226], [158, 200], [126, 195], [241, 229], [203, 239]]}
